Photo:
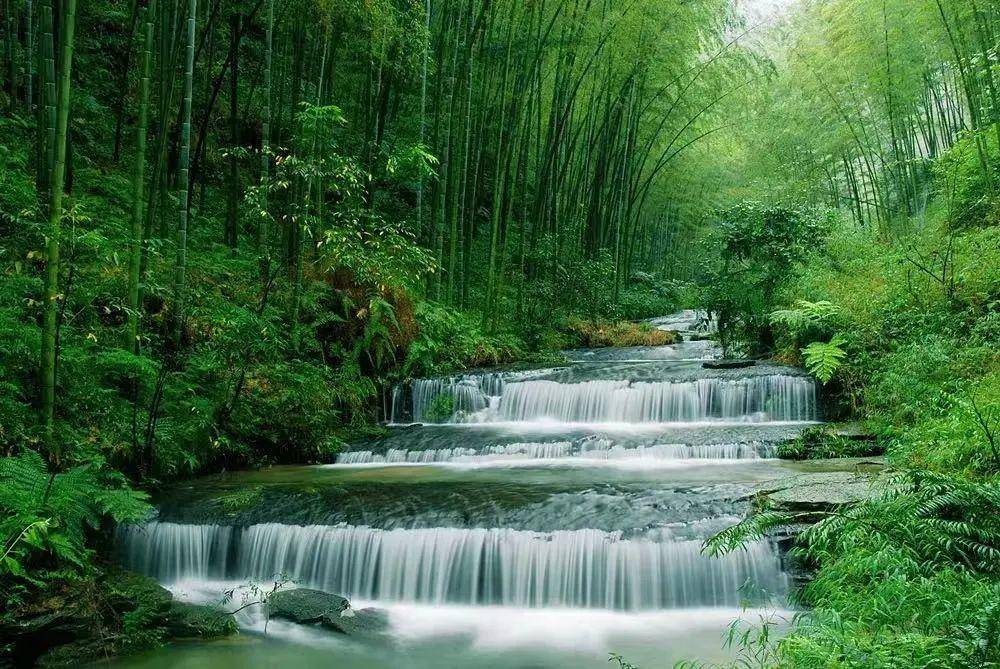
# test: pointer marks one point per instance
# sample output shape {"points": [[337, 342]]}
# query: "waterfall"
{"points": [[465, 393], [590, 449], [774, 397], [578, 568]]}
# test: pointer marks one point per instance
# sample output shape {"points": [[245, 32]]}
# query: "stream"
{"points": [[510, 520]]}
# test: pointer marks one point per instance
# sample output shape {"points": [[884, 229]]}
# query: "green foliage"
{"points": [[909, 574], [820, 442], [45, 513], [449, 340], [823, 359], [440, 409], [761, 248], [806, 320]]}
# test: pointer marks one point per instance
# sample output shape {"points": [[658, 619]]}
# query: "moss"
{"points": [[187, 620], [601, 334]]}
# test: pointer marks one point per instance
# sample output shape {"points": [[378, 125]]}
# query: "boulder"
{"points": [[128, 591], [332, 612], [305, 606], [729, 364], [367, 623], [185, 621]]}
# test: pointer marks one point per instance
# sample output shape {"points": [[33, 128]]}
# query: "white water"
{"points": [[502, 597], [758, 398], [773, 397], [470, 631], [580, 568], [596, 451]]}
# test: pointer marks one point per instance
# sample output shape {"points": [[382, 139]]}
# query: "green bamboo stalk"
{"points": [[183, 191], [57, 182], [139, 183]]}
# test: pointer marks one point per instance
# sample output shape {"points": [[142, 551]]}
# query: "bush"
{"points": [[820, 442], [760, 249]]}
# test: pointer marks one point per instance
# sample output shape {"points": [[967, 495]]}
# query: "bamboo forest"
{"points": [[500, 334]]}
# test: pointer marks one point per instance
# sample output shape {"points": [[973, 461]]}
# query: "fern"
{"points": [[748, 530], [47, 512], [805, 315], [823, 359]]}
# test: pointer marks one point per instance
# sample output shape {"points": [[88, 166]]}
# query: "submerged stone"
{"points": [[736, 363]]}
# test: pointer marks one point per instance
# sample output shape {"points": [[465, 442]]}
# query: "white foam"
{"points": [[497, 628]]}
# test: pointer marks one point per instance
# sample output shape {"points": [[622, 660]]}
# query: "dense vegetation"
{"points": [[863, 243], [226, 226]]}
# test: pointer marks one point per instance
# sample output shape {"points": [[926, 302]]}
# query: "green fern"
{"points": [[823, 359], [47, 512], [806, 314]]}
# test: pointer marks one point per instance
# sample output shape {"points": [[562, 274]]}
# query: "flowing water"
{"points": [[510, 519]]}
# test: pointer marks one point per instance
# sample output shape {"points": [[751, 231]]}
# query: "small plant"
{"points": [[820, 442], [805, 316], [441, 409], [823, 359]]}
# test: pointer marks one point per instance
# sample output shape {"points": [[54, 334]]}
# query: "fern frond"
{"points": [[823, 359]]}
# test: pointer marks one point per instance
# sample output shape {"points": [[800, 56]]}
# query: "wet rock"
{"points": [[305, 606], [129, 591], [185, 621], [728, 364], [332, 612], [810, 495], [75, 653], [78, 621], [368, 623]]}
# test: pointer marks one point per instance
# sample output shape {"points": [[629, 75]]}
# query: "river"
{"points": [[510, 520]]}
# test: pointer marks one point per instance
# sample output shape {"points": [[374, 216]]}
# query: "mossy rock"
{"points": [[128, 591], [810, 496], [332, 612], [75, 653], [367, 623], [186, 620], [305, 606]]}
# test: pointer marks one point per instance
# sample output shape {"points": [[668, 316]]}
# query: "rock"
{"points": [[332, 612], [809, 495], [305, 606], [128, 591], [367, 623], [853, 431], [75, 653], [728, 364], [185, 620]]}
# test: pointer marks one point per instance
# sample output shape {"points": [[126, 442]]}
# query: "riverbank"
{"points": [[910, 573]]}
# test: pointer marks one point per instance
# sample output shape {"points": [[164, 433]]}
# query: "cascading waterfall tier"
{"points": [[773, 397], [435, 400], [579, 568], [591, 449]]}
